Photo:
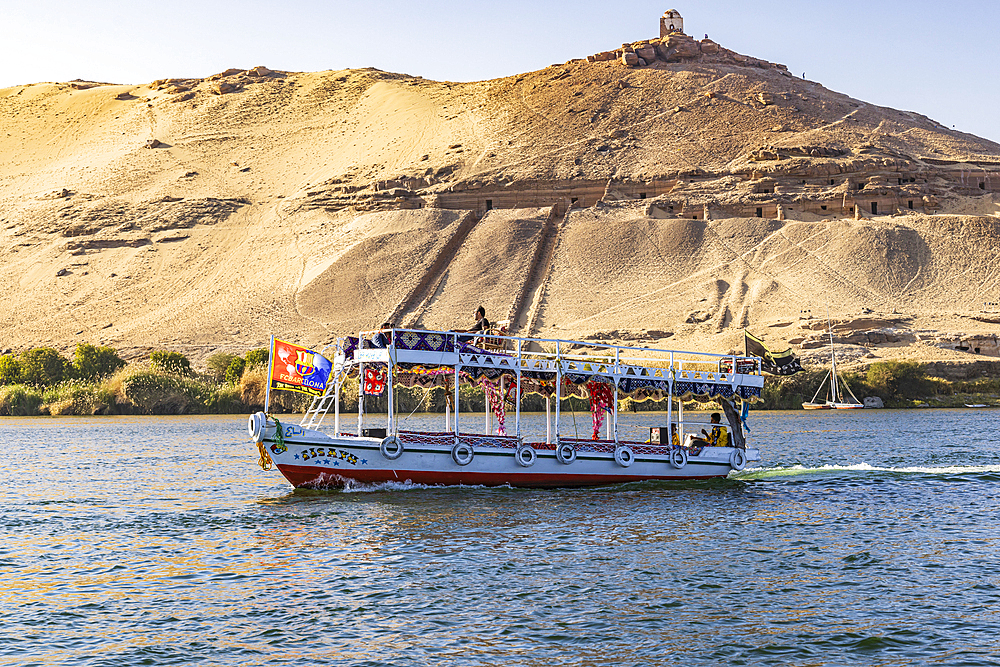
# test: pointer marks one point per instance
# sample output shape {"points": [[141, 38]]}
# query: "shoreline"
{"points": [[97, 381]]}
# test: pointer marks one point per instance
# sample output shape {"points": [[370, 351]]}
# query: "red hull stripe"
{"points": [[311, 477], [541, 453]]}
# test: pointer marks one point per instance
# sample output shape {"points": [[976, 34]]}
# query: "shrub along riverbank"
{"points": [[899, 384], [97, 381]]}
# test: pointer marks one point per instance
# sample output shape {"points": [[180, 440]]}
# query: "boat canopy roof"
{"points": [[428, 358]]}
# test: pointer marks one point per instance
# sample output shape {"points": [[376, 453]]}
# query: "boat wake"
{"points": [[990, 471], [358, 487], [382, 487]]}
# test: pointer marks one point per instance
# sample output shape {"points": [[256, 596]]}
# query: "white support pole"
{"points": [[458, 368], [361, 395], [503, 387], [447, 412], [670, 401], [517, 395], [680, 417], [558, 387], [336, 402], [548, 420], [489, 412], [614, 411], [270, 371], [390, 418]]}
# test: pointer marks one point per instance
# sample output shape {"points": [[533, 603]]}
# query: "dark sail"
{"points": [[775, 363]]}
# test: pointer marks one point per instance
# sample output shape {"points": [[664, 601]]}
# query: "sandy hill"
{"points": [[670, 189]]}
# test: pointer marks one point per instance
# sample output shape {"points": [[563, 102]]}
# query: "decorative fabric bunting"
{"points": [[375, 381], [601, 397], [496, 400]]}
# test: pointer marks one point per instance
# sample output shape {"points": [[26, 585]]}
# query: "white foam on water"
{"points": [[787, 471], [355, 487]]}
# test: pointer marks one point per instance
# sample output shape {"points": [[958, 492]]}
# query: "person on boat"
{"points": [[719, 437], [482, 325], [383, 337]]}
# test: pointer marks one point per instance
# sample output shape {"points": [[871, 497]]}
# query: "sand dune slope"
{"points": [[205, 214]]}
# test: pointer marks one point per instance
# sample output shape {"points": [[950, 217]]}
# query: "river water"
{"points": [[867, 537]]}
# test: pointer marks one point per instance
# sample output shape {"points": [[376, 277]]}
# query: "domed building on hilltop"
{"points": [[671, 21]]}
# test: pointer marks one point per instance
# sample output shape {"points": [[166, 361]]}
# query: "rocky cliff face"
{"points": [[676, 47], [686, 194]]}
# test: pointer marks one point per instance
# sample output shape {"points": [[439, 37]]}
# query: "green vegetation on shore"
{"points": [[900, 384], [97, 380]]}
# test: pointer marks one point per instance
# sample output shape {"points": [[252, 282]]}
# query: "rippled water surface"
{"points": [[866, 537]]}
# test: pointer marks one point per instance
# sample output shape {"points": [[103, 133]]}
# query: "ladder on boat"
{"points": [[321, 405]]}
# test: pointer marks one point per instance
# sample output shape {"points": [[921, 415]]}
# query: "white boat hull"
{"points": [[313, 459]]}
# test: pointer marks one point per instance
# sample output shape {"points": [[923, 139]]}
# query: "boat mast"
{"points": [[833, 359]]}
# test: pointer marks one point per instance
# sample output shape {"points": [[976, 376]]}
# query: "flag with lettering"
{"points": [[297, 368]]}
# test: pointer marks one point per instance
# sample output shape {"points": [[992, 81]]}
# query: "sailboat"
{"points": [[835, 399]]}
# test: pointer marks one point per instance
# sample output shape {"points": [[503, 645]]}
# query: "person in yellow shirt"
{"points": [[719, 437]]}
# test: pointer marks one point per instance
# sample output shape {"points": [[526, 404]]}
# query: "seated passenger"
{"points": [[482, 325], [719, 437], [383, 338]]}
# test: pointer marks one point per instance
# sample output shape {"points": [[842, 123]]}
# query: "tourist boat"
{"points": [[310, 455], [835, 399]]}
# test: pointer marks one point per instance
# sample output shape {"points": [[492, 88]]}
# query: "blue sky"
{"points": [[932, 58]]}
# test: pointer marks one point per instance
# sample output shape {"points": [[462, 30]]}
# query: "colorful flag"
{"points": [[775, 363], [296, 368], [375, 381]]}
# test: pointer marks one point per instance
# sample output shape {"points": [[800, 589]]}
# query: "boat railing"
{"points": [[447, 438], [427, 340], [649, 367]]}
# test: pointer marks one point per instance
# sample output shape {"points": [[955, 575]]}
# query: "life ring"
{"points": [[462, 453], [566, 453], [624, 456], [391, 447], [738, 459], [678, 458], [525, 456], [256, 425]]}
